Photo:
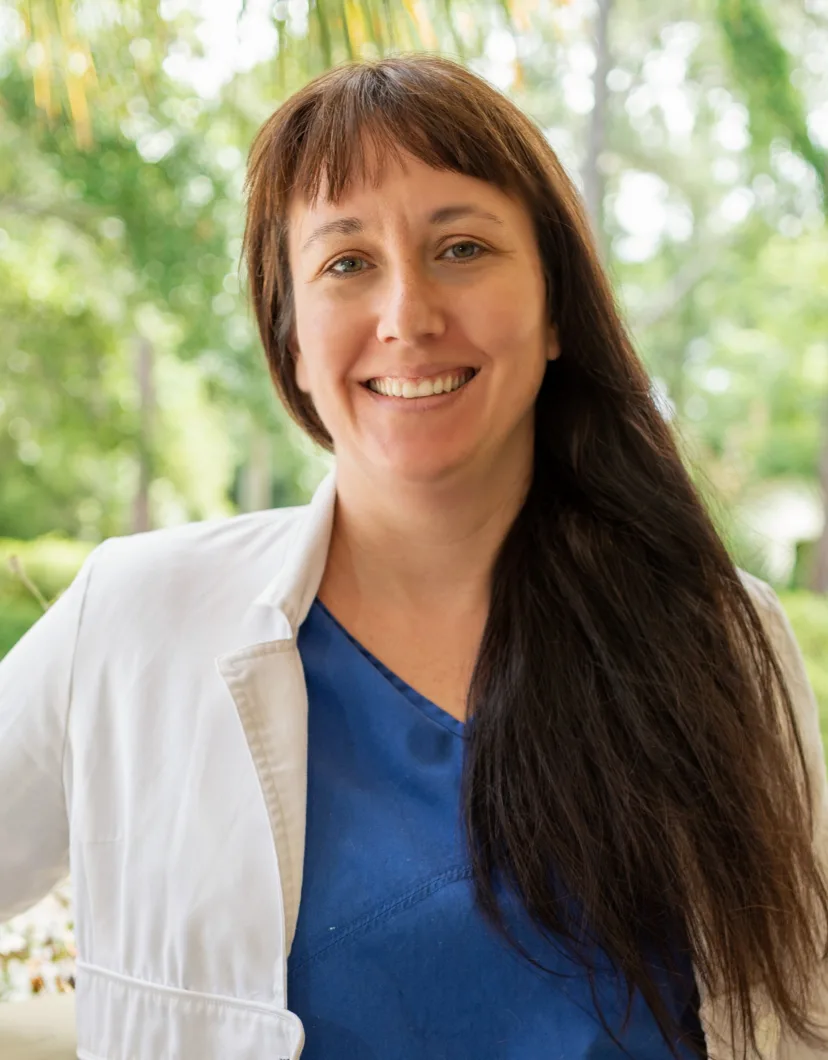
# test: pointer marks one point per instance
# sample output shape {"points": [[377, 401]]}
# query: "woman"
{"points": [[543, 766]]}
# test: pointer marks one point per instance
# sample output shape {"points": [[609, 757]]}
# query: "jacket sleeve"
{"points": [[807, 716], [35, 693]]}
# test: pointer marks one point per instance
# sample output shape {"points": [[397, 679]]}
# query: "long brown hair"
{"points": [[631, 730]]}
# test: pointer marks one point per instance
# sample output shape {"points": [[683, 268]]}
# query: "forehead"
{"points": [[405, 183]]}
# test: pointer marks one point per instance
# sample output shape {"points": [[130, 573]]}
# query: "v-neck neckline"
{"points": [[429, 708]]}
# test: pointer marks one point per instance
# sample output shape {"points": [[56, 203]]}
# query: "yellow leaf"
{"points": [[419, 17], [356, 26], [79, 109]]}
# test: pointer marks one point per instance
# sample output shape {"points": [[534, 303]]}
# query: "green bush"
{"points": [[15, 618], [49, 563]]}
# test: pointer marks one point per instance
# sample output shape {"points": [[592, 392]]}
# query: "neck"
{"points": [[422, 546]]}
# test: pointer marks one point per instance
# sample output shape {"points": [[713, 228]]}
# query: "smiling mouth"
{"points": [[447, 383]]}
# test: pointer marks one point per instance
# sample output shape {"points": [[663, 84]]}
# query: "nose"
{"points": [[410, 309]]}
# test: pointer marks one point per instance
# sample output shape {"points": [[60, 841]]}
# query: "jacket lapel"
{"points": [[267, 683]]}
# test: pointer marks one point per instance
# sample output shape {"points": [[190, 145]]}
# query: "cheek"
{"points": [[326, 359], [510, 326], [317, 345]]}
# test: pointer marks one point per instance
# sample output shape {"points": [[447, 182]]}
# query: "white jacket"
{"points": [[153, 739]]}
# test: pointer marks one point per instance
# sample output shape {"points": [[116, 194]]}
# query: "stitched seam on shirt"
{"points": [[388, 910], [256, 651], [193, 998], [254, 731]]}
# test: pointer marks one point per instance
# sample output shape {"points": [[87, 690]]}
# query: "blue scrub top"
{"points": [[391, 958]]}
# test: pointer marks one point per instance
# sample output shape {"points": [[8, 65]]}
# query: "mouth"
{"points": [[422, 387]]}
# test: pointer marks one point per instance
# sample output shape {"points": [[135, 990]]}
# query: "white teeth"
{"points": [[407, 388]]}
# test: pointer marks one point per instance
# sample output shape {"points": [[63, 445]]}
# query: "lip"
{"points": [[422, 404]]}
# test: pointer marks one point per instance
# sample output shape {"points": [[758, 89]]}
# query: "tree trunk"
{"points": [[144, 356], [593, 177]]}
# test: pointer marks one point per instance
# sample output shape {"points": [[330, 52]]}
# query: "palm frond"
{"points": [[64, 77]]}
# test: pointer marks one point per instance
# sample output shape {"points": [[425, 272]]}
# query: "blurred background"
{"points": [[133, 392]]}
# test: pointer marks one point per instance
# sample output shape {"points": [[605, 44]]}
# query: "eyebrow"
{"points": [[348, 226]]}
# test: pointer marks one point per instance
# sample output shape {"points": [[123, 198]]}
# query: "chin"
{"points": [[423, 468]]}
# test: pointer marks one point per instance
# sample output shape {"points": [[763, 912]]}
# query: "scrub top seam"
{"points": [[387, 910]]}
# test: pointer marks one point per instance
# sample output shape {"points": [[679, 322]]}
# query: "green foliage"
{"points": [[102, 251], [50, 562], [16, 616], [763, 67], [48, 565]]}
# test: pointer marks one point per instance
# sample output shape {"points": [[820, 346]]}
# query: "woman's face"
{"points": [[428, 282]]}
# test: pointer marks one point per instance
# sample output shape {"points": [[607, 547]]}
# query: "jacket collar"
{"points": [[294, 586]]}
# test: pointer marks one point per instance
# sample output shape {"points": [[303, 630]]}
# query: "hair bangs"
{"points": [[373, 118]]}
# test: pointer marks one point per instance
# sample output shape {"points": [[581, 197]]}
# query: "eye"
{"points": [[464, 246], [352, 265], [348, 260]]}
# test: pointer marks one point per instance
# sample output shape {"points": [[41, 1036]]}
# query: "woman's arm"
{"points": [[35, 693]]}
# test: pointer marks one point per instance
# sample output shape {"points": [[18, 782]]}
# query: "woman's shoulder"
{"points": [[776, 622], [204, 541], [762, 595], [806, 709], [186, 572], [782, 637]]}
